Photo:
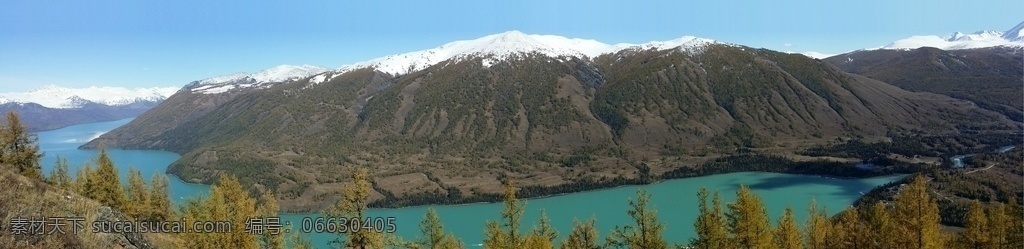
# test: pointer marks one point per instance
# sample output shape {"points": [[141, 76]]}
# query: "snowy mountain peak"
{"points": [[1015, 34], [502, 45], [286, 72], [264, 78], [985, 35], [54, 96], [957, 40]]}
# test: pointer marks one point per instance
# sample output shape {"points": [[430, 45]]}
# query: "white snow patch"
{"points": [[54, 96], [318, 79], [261, 79], [502, 46], [981, 39], [813, 54]]}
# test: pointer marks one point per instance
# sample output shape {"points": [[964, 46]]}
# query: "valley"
{"points": [[452, 130]]}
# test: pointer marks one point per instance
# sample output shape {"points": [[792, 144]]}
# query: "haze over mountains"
{"points": [[451, 121], [1014, 37], [51, 107]]}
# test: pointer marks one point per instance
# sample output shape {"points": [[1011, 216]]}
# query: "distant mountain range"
{"points": [[981, 39], [261, 79], [52, 107], [1014, 37], [452, 121]]}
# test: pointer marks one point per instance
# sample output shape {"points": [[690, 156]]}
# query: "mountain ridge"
{"points": [[1014, 37], [508, 43], [461, 125], [53, 107], [53, 96]]}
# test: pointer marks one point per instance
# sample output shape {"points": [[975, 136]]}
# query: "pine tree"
{"points": [[646, 233], [20, 148], [195, 210], [710, 224], [506, 235], [918, 214], [434, 236], [848, 231], [543, 235], [818, 227], [159, 199], [583, 236], [138, 195], [975, 234], [240, 208], [787, 233], [352, 205], [106, 183], [1015, 233], [268, 208], [881, 227], [998, 227], [227, 202], [60, 175], [299, 241], [748, 221], [81, 183]]}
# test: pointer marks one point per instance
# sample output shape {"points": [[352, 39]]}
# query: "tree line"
{"points": [[909, 220]]}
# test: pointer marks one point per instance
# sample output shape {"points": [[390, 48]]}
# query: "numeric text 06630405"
{"points": [[348, 224]]}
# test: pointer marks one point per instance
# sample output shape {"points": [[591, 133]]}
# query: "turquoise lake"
{"points": [[675, 200]]}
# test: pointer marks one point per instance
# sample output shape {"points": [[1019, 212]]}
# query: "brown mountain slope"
{"points": [[453, 130], [989, 77]]}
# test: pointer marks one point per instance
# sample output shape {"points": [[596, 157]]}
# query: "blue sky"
{"points": [[170, 43]]}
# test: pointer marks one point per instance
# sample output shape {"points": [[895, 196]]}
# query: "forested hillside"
{"points": [[452, 131]]}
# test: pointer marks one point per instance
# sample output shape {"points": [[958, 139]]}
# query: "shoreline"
{"points": [[608, 185]]}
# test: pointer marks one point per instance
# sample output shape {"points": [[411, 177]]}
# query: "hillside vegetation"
{"points": [[909, 219], [452, 132], [989, 77]]}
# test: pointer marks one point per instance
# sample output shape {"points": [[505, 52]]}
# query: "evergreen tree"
{"points": [[818, 227], [583, 236], [787, 233], [20, 148], [710, 224], [918, 214], [434, 236], [506, 235], [848, 231], [138, 195], [298, 241], [975, 234], [106, 183], [748, 221], [239, 207], [998, 226], [60, 175], [881, 227], [352, 205], [646, 233], [268, 208], [227, 202], [543, 235], [1015, 234], [82, 178], [159, 199]]}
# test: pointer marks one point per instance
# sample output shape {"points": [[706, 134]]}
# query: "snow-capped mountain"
{"points": [[503, 45], [265, 78], [957, 40], [812, 54], [53, 96], [1015, 34]]}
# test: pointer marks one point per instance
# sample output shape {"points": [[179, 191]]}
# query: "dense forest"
{"points": [[910, 217]]}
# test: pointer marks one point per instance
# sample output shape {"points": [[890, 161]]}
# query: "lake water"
{"points": [[64, 142], [675, 200]]}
